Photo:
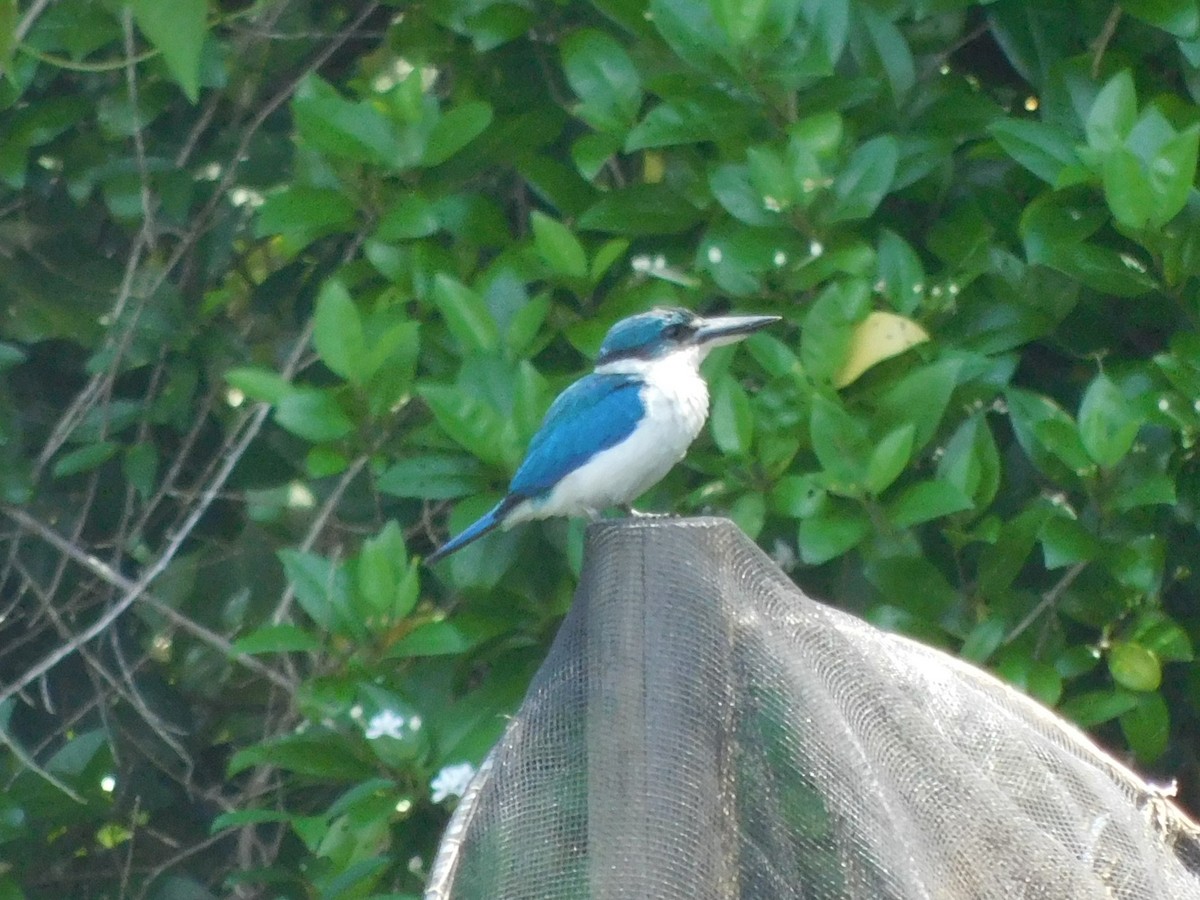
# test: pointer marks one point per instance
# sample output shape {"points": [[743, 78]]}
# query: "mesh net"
{"points": [[702, 729]]}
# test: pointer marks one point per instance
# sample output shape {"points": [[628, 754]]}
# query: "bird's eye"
{"points": [[676, 332]]}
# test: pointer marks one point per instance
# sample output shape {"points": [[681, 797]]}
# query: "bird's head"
{"points": [[660, 333]]}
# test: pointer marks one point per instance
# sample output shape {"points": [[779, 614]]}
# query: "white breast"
{"points": [[675, 398]]}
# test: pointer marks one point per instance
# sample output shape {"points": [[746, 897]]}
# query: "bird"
{"points": [[617, 431]]}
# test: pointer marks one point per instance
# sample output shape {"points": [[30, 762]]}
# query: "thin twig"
{"points": [[318, 525], [1104, 38], [26, 760], [139, 144], [1052, 597], [132, 591], [27, 20]]}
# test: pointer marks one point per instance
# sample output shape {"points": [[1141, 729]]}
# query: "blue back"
{"points": [[593, 414]]}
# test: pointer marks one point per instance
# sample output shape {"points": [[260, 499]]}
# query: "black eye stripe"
{"points": [[677, 331]]}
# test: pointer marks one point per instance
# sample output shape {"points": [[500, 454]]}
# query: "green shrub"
{"points": [[287, 287]]}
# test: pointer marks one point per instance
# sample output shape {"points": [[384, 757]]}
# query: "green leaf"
{"points": [[177, 30], [434, 476], [688, 120], [770, 177], [1045, 150], [1180, 17], [592, 152], [799, 496], [1167, 639], [912, 583], [1047, 434], [85, 458], [1127, 189], [1002, 561], [411, 217], [604, 78], [1035, 678], [925, 501], [640, 209], [319, 755], [391, 360], [1108, 422], [465, 315], [466, 419], [900, 271], [1112, 114], [1172, 173], [732, 419], [691, 31], [11, 355], [385, 580], [841, 442], [342, 128], [321, 586], [889, 458], [498, 24], [1138, 563], [890, 49], [971, 461], [861, 186], [282, 638], [1077, 660], [444, 638], [239, 817], [1097, 707], [837, 527], [1134, 667], [140, 466], [607, 256], [919, 398], [1147, 728], [1065, 541], [740, 20], [305, 213], [829, 328], [454, 129], [560, 249], [338, 333], [984, 640], [259, 384], [313, 414], [730, 184], [749, 513]]}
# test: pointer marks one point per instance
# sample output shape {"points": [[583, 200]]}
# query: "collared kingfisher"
{"points": [[614, 433]]}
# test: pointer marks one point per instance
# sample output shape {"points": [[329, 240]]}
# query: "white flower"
{"points": [[388, 723], [451, 781], [715, 255], [815, 249], [780, 258]]}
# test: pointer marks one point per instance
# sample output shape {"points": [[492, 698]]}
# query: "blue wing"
{"points": [[591, 415]]}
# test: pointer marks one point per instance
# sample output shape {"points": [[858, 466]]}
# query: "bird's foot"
{"points": [[637, 514]]}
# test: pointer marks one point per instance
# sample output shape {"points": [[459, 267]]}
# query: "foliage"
{"points": [[288, 286]]}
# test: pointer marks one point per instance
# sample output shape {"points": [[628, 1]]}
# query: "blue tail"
{"points": [[490, 520]]}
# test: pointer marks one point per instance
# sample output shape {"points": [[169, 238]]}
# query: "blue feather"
{"points": [[593, 414], [477, 529]]}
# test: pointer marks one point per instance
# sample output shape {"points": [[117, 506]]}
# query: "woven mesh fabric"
{"points": [[702, 729]]}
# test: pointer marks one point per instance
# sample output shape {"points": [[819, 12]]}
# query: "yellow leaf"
{"points": [[880, 336], [654, 167]]}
